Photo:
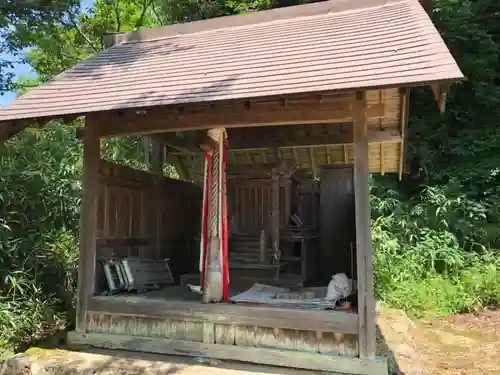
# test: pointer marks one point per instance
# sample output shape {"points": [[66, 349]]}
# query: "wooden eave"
{"points": [[310, 145]]}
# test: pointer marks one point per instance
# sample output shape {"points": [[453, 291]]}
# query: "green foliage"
{"points": [[435, 251], [39, 206], [432, 253]]}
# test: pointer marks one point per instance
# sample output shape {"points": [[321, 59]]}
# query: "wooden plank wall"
{"points": [[124, 220], [127, 214], [226, 334], [250, 205], [337, 225], [181, 225], [307, 196]]}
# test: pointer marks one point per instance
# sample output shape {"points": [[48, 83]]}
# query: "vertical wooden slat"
{"points": [[157, 155], [288, 200], [208, 333], [262, 246], [313, 161], [130, 217], [366, 300], [296, 156], [313, 205], [276, 216], [404, 110], [88, 226], [382, 171], [105, 231]]}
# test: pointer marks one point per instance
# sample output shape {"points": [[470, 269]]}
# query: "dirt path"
{"points": [[466, 344]]}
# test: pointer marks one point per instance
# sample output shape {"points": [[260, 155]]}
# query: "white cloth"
{"points": [[338, 287]]}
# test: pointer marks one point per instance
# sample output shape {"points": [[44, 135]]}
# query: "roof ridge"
{"points": [[270, 16]]}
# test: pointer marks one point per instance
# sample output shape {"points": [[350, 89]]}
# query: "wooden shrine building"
{"points": [[274, 121]]}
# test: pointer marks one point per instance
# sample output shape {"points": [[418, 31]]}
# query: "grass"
{"points": [[426, 263]]}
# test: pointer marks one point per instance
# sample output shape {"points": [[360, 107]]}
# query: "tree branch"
{"points": [[13, 62], [158, 18], [117, 14], [25, 85], [80, 31], [145, 5]]}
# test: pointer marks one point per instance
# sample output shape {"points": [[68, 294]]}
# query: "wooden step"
{"points": [[253, 266], [245, 243], [236, 249], [244, 256]]}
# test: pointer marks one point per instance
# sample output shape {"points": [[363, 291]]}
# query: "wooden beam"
{"points": [[249, 157], [264, 156], [190, 143], [230, 314], [366, 299], [182, 145], [265, 356], [267, 168], [440, 92], [88, 227], [157, 157], [114, 242], [313, 162], [174, 160], [295, 154], [341, 138], [328, 155], [266, 112]]}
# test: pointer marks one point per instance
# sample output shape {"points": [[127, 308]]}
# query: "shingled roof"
{"points": [[337, 45]]}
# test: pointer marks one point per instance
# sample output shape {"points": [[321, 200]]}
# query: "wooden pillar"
{"points": [[262, 246], [275, 223], [404, 112], [314, 214], [88, 226], [213, 288], [288, 200], [366, 299], [156, 167]]}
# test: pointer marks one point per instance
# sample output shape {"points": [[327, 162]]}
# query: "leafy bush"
{"points": [[431, 254], [39, 207]]}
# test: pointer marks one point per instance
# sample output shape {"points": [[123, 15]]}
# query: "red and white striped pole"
{"points": [[214, 242]]}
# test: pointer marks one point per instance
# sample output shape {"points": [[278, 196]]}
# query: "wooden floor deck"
{"points": [[174, 321]]}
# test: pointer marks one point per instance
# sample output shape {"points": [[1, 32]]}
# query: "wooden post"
{"points": [[156, 167], [213, 288], [366, 299], [88, 226], [288, 200], [405, 106], [263, 246], [276, 218]]}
